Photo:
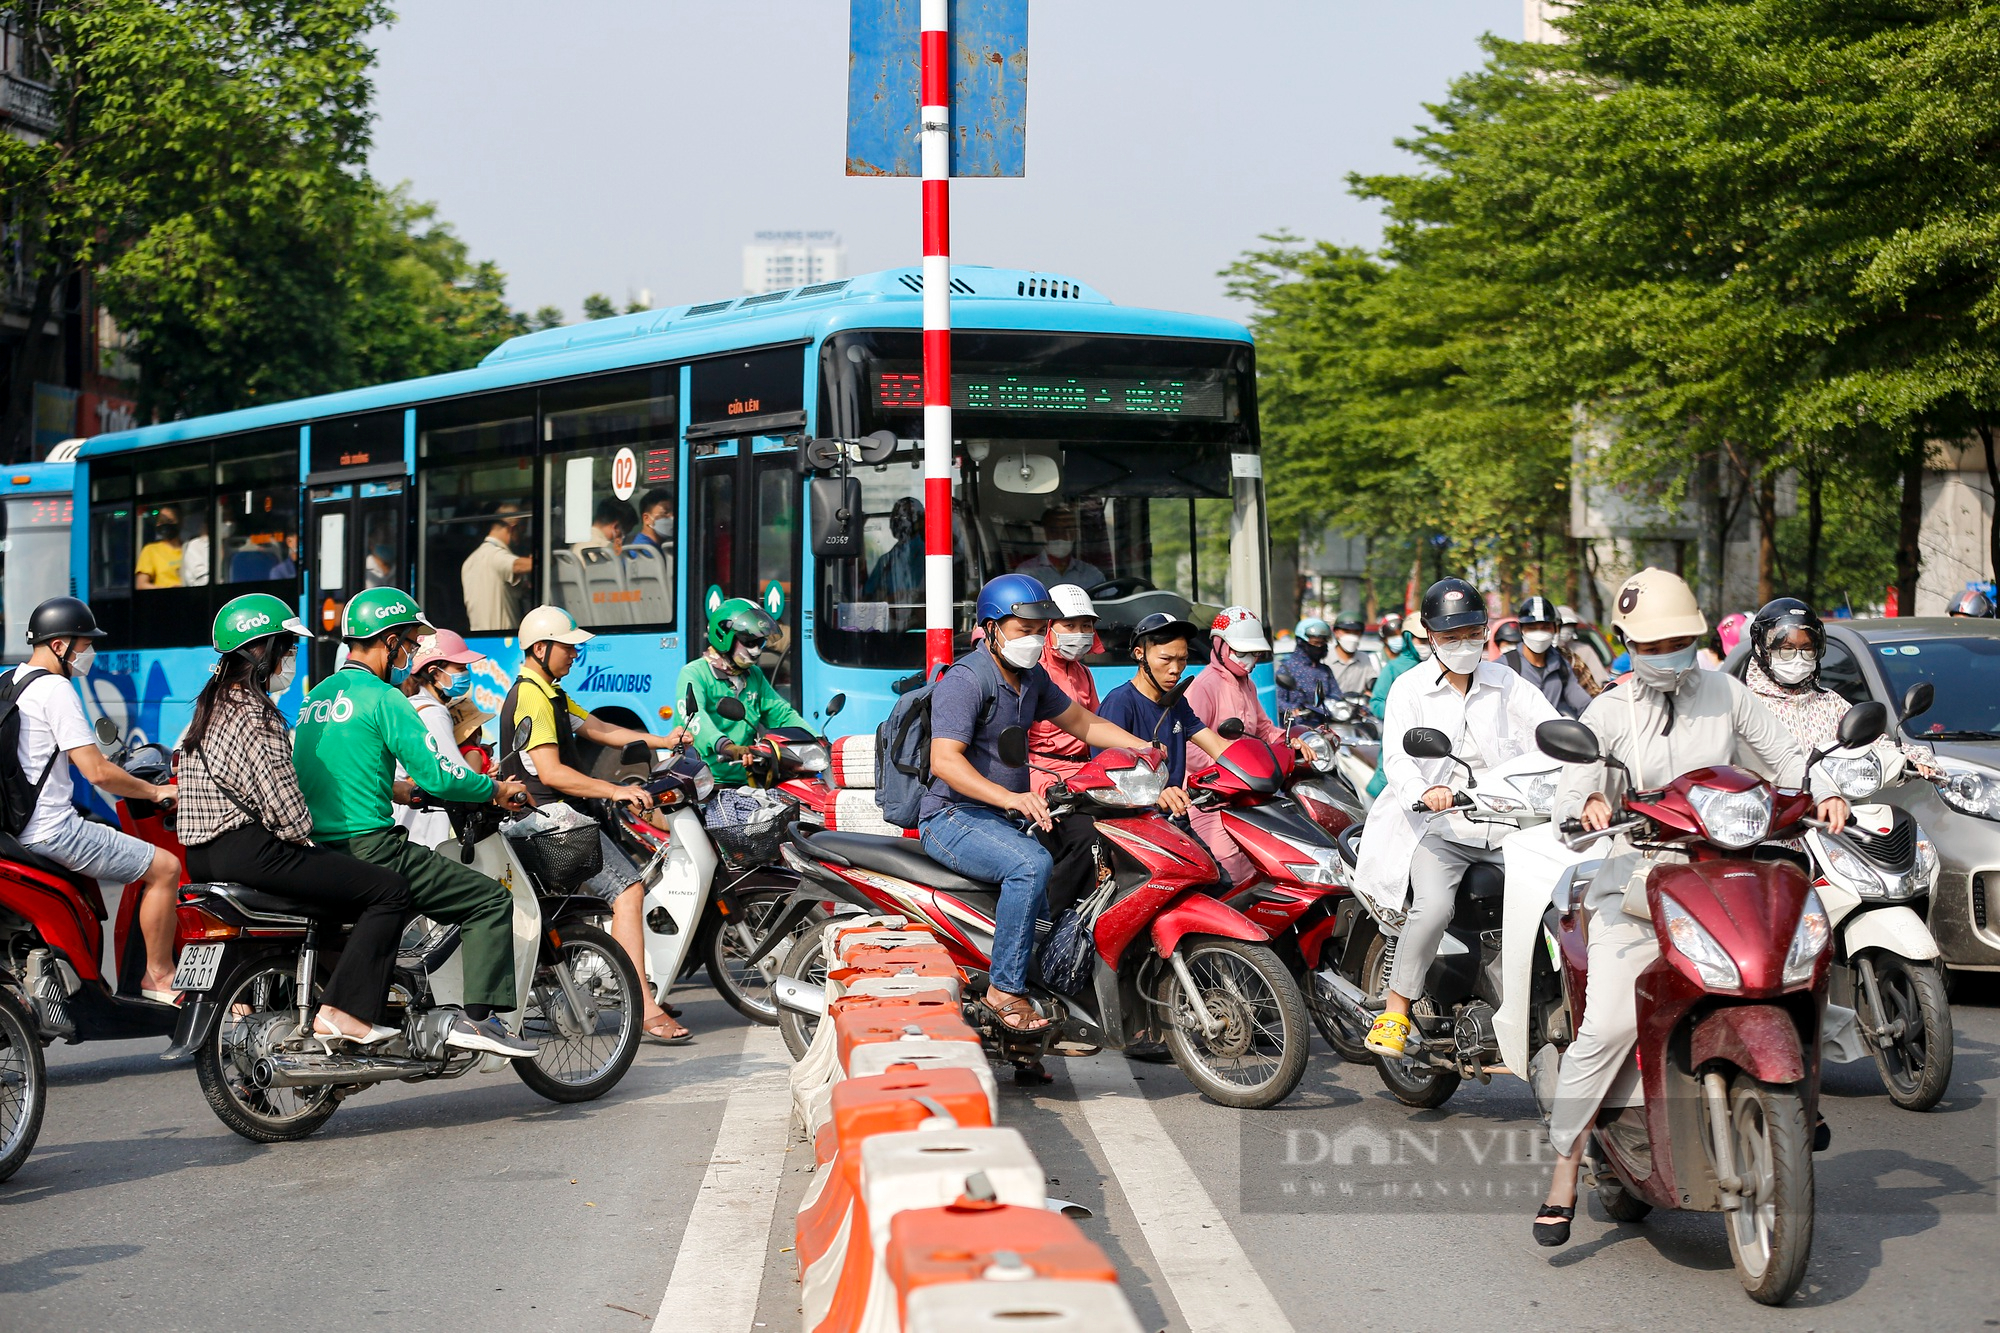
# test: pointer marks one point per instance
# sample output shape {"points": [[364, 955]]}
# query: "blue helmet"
{"points": [[1015, 595], [1310, 626]]}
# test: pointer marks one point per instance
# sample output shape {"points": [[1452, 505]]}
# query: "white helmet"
{"points": [[1073, 601], [1655, 604], [1239, 627], [551, 624]]}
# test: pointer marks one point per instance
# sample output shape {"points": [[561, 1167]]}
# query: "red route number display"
{"points": [[624, 473], [41, 511]]}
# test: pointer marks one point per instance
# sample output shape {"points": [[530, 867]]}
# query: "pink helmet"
{"points": [[445, 646], [1730, 630]]}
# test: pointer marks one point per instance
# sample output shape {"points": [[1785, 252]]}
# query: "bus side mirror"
{"points": [[836, 518]]}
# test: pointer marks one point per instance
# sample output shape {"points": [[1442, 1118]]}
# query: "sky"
{"points": [[635, 145]]}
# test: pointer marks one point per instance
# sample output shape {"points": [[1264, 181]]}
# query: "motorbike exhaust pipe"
{"points": [[801, 997], [311, 1070]]}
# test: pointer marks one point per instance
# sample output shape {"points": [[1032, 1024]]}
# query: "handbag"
{"points": [[1066, 956]]}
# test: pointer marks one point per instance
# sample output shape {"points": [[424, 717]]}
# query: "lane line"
{"points": [[1212, 1279], [720, 1267]]}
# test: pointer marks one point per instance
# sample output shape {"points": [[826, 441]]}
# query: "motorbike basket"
{"points": [[747, 827], [562, 858]]}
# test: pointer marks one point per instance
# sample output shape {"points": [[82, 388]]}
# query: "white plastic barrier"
{"points": [[1004, 1307]]}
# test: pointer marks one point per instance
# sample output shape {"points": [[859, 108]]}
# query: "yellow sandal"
{"points": [[1388, 1035]]}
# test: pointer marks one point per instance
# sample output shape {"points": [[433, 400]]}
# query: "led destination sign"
{"points": [[1202, 394]]}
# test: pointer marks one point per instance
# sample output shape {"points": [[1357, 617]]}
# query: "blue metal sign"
{"points": [[989, 88]]}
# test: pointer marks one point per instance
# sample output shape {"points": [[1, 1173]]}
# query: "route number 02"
{"points": [[624, 474]]}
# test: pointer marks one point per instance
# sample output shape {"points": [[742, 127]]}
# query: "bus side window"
{"points": [[479, 508], [257, 514], [613, 483]]}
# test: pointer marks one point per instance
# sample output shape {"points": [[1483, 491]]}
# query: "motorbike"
{"points": [[1169, 962], [1452, 1023], [54, 982], [1353, 733], [250, 964], [1729, 1015]]}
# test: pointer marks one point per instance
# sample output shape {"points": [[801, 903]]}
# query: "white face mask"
{"points": [[1423, 649], [663, 527], [1565, 636], [1348, 642], [1664, 671], [80, 661], [1538, 640], [1073, 646], [1059, 549], [281, 679], [1461, 658], [1023, 652], [1794, 671]]}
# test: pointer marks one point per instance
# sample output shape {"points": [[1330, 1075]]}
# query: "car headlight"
{"points": [[1711, 962], [1928, 865], [1538, 788], [1733, 819], [1848, 866], [1970, 789], [1319, 751], [1808, 942], [1856, 777], [1139, 785]]}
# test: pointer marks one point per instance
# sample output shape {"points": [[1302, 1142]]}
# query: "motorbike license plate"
{"points": [[197, 968]]}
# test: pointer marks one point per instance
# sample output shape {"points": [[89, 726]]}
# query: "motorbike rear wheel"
{"points": [[1348, 1041], [734, 938], [804, 961], [1259, 1055], [1770, 1235], [24, 1084], [583, 1067], [1916, 1066], [259, 1008], [1413, 1082]]}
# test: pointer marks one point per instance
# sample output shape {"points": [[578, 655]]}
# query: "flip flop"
{"points": [[172, 997], [662, 1038]]}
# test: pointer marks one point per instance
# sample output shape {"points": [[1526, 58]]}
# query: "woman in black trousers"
{"points": [[244, 820]]}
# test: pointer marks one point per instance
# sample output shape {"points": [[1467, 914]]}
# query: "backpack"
{"points": [[17, 797], [903, 748]]}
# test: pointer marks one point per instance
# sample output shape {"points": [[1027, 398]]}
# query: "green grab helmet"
{"points": [[738, 615], [251, 617], [379, 609]]}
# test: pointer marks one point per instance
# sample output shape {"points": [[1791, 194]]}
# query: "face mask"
{"points": [[1059, 549], [1794, 671], [1023, 652], [1073, 646], [1565, 636], [457, 687], [399, 674], [1538, 641], [663, 527], [1460, 658], [80, 661], [1664, 671], [1234, 665], [1348, 642], [745, 655], [1315, 651], [1423, 647], [167, 532], [281, 679]]}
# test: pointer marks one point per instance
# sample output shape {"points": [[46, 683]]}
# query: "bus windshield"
{"points": [[34, 562], [1127, 466]]}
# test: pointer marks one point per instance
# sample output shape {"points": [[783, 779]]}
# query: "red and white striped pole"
{"points": [[935, 118]]}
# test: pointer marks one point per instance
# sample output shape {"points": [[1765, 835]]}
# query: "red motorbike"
{"points": [[1166, 961], [1730, 1013]]}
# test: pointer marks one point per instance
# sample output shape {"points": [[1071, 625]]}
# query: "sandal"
{"points": [[1020, 1007], [172, 997], [1552, 1225], [653, 1030]]}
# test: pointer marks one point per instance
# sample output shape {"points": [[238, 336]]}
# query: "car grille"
{"points": [[1979, 901], [1895, 850]]}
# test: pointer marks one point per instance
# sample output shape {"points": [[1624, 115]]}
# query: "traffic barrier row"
{"points": [[923, 1214]]}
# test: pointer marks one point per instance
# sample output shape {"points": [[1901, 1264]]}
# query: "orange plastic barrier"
{"points": [[974, 1239], [923, 960], [867, 1022]]}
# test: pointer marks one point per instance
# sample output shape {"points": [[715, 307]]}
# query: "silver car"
{"points": [[1960, 657]]}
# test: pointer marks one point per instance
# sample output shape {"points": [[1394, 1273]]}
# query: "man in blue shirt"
{"points": [[1160, 646], [971, 818]]}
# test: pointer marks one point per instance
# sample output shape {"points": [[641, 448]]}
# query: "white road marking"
{"points": [[1212, 1279], [720, 1266]]}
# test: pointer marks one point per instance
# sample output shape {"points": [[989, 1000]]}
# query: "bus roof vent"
{"points": [[822, 289], [915, 282], [765, 299], [711, 307], [1049, 288]]}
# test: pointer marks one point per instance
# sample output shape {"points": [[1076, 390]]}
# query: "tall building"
{"points": [[779, 259]]}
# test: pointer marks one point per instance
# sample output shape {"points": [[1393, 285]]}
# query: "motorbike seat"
{"points": [[902, 858], [260, 903], [11, 849]]}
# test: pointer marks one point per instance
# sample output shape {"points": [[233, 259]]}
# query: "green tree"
{"points": [[598, 306]]}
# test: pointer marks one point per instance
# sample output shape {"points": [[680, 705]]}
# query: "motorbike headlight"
{"points": [[1710, 961], [1848, 866], [1970, 789], [1319, 751], [1139, 785], [1538, 788], [810, 758], [1733, 819], [1808, 942], [704, 783], [1343, 711], [1857, 777], [1500, 805], [1926, 873]]}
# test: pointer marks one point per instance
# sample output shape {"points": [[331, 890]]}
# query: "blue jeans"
{"points": [[980, 842]]}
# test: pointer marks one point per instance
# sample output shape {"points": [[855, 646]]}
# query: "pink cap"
{"points": [[445, 646]]}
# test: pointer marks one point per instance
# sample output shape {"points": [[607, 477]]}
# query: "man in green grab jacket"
{"points": [[737, 631], [353, 729]]}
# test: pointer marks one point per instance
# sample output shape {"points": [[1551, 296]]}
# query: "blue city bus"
{"points": [[632, 469], [37, 508]]}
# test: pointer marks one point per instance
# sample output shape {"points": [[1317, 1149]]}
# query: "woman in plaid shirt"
{"points": [[244, 820]]}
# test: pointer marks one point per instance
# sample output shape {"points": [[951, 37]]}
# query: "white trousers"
{"points": [[1436, 868], [1621, 947]]}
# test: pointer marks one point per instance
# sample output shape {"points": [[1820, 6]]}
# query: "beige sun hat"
{"points": [[1653, 605]]}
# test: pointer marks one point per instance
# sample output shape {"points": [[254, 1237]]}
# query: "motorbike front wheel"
{"points": [[24, 1084], [1257, 1054], [581, 1056], [259, 1012], [1412, 1081], [734, 938], [804, 961], [1770, 1234], [1916, 1064]]}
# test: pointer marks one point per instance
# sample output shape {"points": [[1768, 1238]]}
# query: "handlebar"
{"points": [[1459, 801]]}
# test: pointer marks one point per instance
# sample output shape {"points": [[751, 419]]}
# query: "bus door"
{"points": [[356, 540], [744, 537]]}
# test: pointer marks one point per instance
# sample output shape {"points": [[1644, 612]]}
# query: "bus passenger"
{"points": [[493, 576], [610, 524], [898, 576], [737, 632], [159, 564], [656, 520], [1057, 561]]}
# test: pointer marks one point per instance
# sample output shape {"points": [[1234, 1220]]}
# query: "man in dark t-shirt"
{"points": [[971, 817], [1160, 646]]}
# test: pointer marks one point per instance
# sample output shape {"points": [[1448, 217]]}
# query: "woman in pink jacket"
{"points": [[1223, 690], [1056, 753]]}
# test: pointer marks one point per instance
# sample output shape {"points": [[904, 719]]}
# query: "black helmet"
{"points": [[1346, 623], [1160, 627], [1537, 610], [1971, 602], [1778, 618], [1452, 604], [1509, 633], [62, 618]]}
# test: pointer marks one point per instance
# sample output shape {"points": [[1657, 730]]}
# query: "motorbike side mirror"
{"points": [[522, 731], [637, 752], [730, 709], [835, 704], [1426, 743], [1917, 699], [1568, 740], [1230, 728], [107, 731], [1014, 747], [1863, 724], [1285, 681]]}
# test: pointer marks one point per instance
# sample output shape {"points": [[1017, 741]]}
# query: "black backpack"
{"points": [[17, 797]]}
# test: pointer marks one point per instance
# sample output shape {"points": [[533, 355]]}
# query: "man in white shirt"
{"points": [[54, 737], [493, 578], [1057, 562], [1491, 715]]}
